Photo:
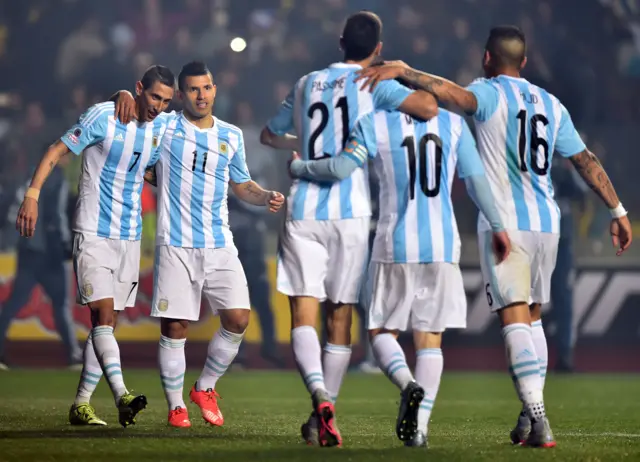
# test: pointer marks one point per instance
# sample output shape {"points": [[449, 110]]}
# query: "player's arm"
{"points": [[361, 145], [126, 108], [470, 169], [445, 91], [570, 145], [392, 95], [91, 127], [275, 134]]}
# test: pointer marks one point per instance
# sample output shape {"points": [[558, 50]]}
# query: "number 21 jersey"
{"points": [[518, 128], [322, 109]]}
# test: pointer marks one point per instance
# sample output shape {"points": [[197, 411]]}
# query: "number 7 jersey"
{"points": [[518, 127], [322, 109]]}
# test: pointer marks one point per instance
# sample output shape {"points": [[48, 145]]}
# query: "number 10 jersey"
{"points": [[518, 128], [322, 109]]}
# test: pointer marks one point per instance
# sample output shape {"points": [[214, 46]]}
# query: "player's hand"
{"points": [[126, 107], [294, 156], [275, 201], [388, 71], [27, 217], [501, 246], [621, 235]]}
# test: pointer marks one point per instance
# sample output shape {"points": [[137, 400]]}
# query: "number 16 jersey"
{"points": [[322, 109], [518, 128]]}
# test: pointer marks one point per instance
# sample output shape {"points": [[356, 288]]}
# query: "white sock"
{"points": [[524, 368], [223, 349], [108, 355], [540, 343], [334, 365], [391, 360], [429, 365], [173, 365], [91, 373], [308, 356]]}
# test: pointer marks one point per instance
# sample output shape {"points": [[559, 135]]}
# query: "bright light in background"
{"points": [[238, 44]]}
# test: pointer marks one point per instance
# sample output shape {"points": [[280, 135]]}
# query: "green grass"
{"points": [[594, 418]]}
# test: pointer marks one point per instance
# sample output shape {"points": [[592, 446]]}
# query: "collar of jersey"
{"points": [[345, 66], [195, 127], [519, 79]]}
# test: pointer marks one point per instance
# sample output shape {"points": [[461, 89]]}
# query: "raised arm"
{"points": [[443, 90]]}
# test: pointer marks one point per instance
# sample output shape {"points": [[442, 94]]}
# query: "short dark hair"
{"points": [[507, 46], [361, 34], [160, 74], [192, 69]]}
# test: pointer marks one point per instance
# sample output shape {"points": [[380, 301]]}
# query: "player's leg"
{"points": [[508, 287], [337, 350], [440, 305], [176, 301], [225, 289]]}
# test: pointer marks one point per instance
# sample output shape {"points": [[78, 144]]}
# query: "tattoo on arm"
{"points": [[444, 90], [590, 169], [255, 191]]}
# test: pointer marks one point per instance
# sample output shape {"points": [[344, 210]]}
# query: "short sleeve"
{"points": [[568, 141], [238, 170], [362, 143], [487, 97], [90, 129], [469, 163], [282, 122], [389, 95]]}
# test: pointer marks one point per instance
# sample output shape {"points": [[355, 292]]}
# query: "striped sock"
{"points": [[540, 343], [429, 365], [334, 365], [108, 354], [524, 368], [173, 365], [91, 373], [391, 360], [308, 356], [223, 349]]}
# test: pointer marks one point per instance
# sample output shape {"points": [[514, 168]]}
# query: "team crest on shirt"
{"points": [[87, 289], [74, 137], [163, 305], [154, 142], [223, 148]]}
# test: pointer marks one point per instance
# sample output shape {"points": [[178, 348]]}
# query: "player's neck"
{"points": [[365, 63], [202, 122], [509, 72]]}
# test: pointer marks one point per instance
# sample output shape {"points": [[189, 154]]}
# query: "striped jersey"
{"points": [[322, 109], [415, 162], [193, 172], [113, 166], [518, 128]]}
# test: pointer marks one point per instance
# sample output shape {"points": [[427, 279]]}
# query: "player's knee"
{"points": [[174, 328], [235, 321], [102, 313]]}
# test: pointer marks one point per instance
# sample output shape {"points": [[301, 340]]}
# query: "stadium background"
{"points": [[59, 57]]}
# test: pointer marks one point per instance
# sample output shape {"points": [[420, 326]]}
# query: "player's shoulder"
{"points": [[166, 117], [227, 127], [492, 82], [99, 112]]}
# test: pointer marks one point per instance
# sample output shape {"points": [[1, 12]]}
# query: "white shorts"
{"points": [[106, 268], [429, 296], [324, 259], [525, 276], [183, 275]]}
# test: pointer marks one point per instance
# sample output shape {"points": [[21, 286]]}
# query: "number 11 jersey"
{"points": [[322, 109], [518, 127]]}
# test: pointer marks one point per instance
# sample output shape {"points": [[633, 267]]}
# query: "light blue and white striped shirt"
{"points": [[193, 172], [415, 162], [518, 127], [322, 109], [113, 165]]}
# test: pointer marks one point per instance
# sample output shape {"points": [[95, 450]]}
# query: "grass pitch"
{"points": [[594, 418]]}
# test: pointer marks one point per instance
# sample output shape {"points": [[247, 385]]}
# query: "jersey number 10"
{"points": [[409, 144], [535, 143]]}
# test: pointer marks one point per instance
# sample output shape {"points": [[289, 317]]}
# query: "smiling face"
{"points": [[198, 94], [153, 100]]}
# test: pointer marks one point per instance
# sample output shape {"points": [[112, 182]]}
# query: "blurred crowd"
{"points": [[57, 57]]}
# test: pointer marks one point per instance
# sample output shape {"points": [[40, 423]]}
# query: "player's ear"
{"points": [[139, 88], [486, 59], [524, 63], [378, 50], [341, 44]]}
